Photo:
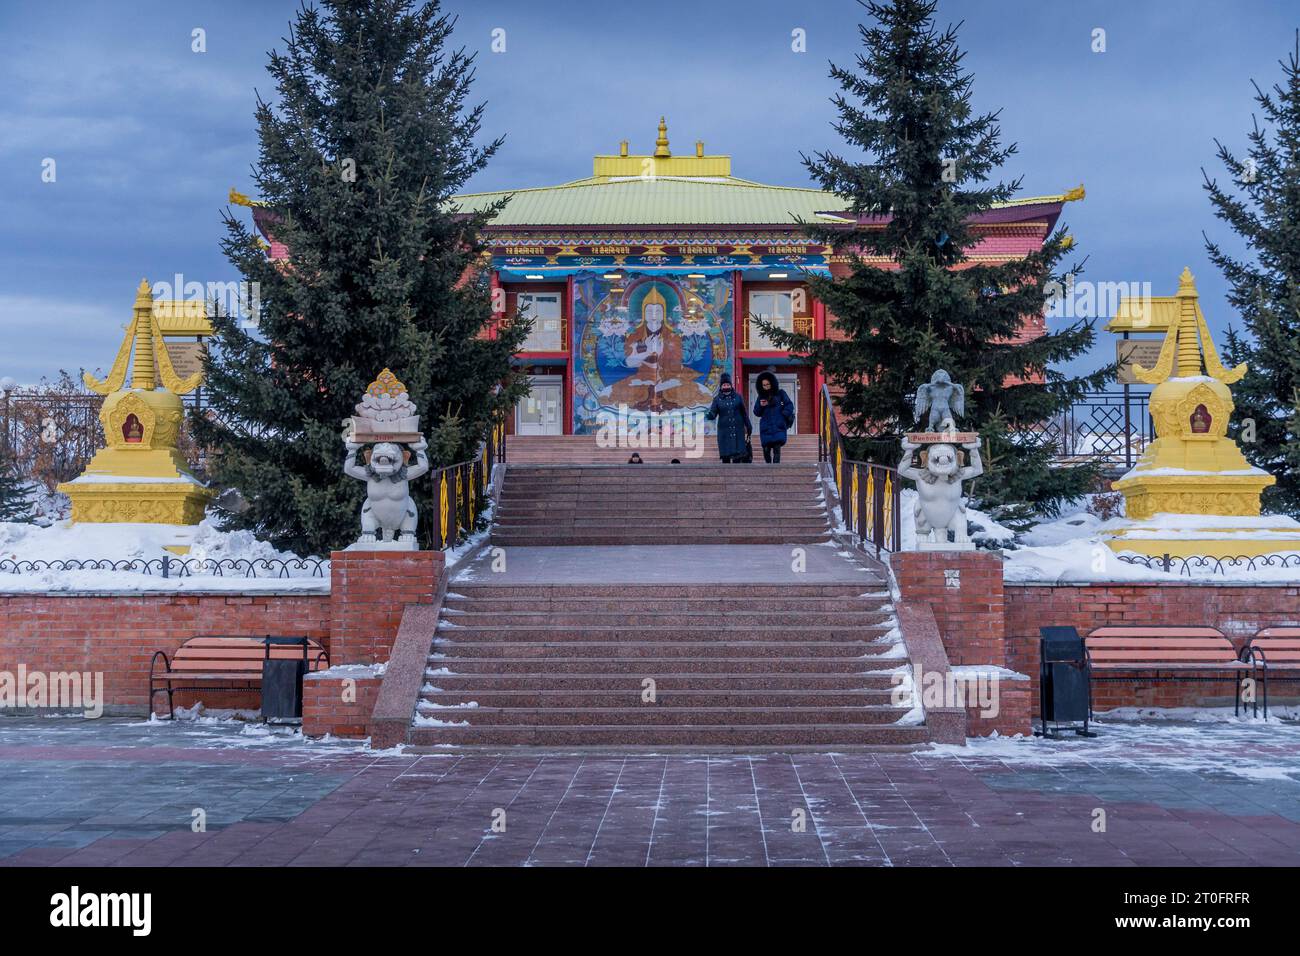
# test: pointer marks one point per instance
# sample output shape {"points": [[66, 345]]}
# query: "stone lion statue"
{"points": [[939, 504], [388, 513]]}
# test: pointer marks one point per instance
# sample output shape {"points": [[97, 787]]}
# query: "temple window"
{"points": [[546, 311], [775, 307]]}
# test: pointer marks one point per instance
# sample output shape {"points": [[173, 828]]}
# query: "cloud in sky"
{"points": [[148, 136]]}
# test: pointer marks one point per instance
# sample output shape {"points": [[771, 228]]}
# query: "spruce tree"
{"points": [[369, 137], [928, 167], [15, 491], [1262, 206]]}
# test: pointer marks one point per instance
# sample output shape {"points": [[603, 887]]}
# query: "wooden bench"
{"points": [[1179, 653], [226, 663], [1274, 650]]}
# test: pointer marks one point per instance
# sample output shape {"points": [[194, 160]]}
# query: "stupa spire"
{"points": [[661, 143], [1188, 350]]}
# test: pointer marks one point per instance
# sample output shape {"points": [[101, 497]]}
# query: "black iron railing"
{"points": [[461, 491], [1205, 564], [1111, 429], [869, 494], [166, 567]]}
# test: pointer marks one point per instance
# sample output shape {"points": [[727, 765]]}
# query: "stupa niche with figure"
{"points": [[1193, 492], [140, 476]]}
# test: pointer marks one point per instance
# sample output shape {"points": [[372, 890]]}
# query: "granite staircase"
{"points": [[703, 667], [584, 450], [582, 504]]}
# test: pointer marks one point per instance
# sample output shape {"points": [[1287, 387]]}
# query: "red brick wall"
{"points": [[970, 614], [1237, 610], [369, 590], [117, 634], [1017, 701], [325, 711]]}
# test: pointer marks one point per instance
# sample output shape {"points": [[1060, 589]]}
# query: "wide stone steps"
{"points": [[868, 588], [720, 685], [564, 539], [595, 505], [642, 666], [651, 715], [633, 697], [570, 449], [664, 604], [658, 645], [695, 737], [652, 620]]}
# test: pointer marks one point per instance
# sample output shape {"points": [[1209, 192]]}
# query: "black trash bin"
{"points": [[282, 680], [1064, 691]]}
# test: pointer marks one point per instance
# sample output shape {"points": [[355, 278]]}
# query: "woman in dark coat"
{"points": [[775, 414], [734, 429]]}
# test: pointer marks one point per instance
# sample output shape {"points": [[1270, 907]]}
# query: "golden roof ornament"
{"points": [[144, 349], [386, 383], [1181, 354], [661, 143]]}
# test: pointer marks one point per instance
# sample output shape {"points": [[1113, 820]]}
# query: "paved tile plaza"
{"points": [[123, 792]]}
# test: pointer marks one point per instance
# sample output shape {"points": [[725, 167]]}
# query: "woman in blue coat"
{"points": [[728, 409], [775, 414]]}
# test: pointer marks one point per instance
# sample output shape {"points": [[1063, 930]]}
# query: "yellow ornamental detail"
{"points": [[853, 499], [870, 503], [442, 509], [889, 509]]}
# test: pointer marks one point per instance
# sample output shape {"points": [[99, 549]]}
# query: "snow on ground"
{"points": [[1210, 741], [1072, 548], [65, 541]]}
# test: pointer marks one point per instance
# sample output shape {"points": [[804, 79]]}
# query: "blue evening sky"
{"points": [[149, 136]]}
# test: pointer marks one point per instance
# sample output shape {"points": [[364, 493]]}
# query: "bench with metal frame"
{"points": [[1182, 654], [226, 664], [1274, 650]]}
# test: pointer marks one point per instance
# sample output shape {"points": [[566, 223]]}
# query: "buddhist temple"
{"points": [[140, 476], [1193, 492], [672, 243]]}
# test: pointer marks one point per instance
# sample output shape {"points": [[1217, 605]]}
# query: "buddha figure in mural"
{"points": [[653, 350]]}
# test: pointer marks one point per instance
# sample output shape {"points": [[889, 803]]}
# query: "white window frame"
{"points": [[530, 301], [757, 340]]}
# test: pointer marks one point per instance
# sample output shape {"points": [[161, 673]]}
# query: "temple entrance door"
{"points": [[786, 380], [542, 410]]}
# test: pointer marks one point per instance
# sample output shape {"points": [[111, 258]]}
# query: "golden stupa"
{"points": [[140, 476], [1192, 492]]}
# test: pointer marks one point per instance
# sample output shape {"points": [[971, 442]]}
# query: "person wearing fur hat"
{"points": [[734, 429], [775, 413]]}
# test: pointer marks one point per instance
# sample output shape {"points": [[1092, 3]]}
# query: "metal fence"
{"points": [[1109, 428], [166, 567], [870, 495], [51, 435], [1204, 564]]}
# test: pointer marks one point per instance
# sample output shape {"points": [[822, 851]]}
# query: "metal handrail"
{"points": [[870, 494]]}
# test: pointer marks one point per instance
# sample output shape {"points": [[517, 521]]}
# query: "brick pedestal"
{"points": [[964, 589], [369, 591], [338, 701]]}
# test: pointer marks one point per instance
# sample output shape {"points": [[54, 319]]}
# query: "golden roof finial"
{"points": [[143, 374], [661, 144], [150, 363], [1188, 341]]}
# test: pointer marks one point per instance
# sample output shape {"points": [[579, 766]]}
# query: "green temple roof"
{"points": [[669, 200], [662, 200]]}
